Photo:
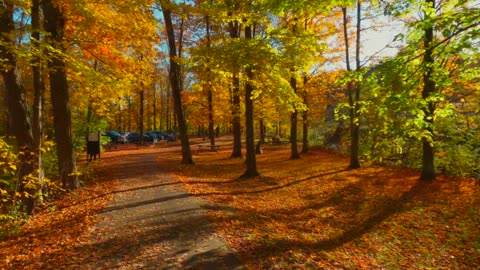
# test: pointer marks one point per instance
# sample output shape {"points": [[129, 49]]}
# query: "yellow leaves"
{"points": [[11, 166]]}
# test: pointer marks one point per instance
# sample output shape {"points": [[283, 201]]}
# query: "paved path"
{"points": [[152, 223]]}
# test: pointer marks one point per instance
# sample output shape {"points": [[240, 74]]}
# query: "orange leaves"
{"points": [[49, 238], [313, 213]]}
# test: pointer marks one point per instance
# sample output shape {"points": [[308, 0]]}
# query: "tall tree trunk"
{"points": [[236, 121], [55, 26], [293, 125], [429, 88], [211, 131], [249, 120], [175, 84], [129, 114], [141, 114], [162, 106], [168, 118], [354, 122], [305, 144], [17, 107], [154, 108], [354, 162], [39, 94]]}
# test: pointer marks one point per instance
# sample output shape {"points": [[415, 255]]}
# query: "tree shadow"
{"points": [[346, 200], [178, 243]]}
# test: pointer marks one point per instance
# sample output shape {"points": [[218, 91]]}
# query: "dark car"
{"points": [[164, 136], [116, 137], [153, 135], [135, 137]]}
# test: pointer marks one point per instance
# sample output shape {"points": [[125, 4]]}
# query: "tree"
{"points": [[60, 94], [249, 122], [17, 107], [174, 76], [305, 126], [38, 88], [234, 29], [444, 30], [353, 88], [428, 167], [211, 133], [293, 124]]}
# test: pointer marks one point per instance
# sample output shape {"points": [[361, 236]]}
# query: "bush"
{"points": [[8, 170]]}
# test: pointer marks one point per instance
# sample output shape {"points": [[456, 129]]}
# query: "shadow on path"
{"points": [[152, 223]]}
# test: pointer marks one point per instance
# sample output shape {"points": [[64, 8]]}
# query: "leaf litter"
{"points": [[314, 213]]}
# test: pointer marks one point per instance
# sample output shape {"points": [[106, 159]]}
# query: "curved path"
{"points": [[152, 223]]}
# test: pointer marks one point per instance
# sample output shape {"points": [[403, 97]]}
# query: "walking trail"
{"points": [[152, 222]]}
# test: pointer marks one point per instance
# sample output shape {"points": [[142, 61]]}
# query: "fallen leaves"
{"points": [[48, 239], [313, 213]]}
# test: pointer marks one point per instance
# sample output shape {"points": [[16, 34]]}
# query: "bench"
{"points": [[275, 140], [207, 147]]}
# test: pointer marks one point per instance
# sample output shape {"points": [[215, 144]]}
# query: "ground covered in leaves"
{"points": [[313, 213], [49, 239], [301, 214]]}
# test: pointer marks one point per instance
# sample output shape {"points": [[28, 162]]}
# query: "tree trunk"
{"points": [[168, 118], [249, 121], [211, 127], [175, 84], [129, 115], [141, 115], [428, 168], [352, 100], [154, 107], [261, 141], [293, 125], [17, 107], [236, 121], [55, 26], [162, 106], [305, 144], [39, 94]]}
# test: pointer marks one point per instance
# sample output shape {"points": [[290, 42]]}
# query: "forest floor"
{"points": [[310, 213]]}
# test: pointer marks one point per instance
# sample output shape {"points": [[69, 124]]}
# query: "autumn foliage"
{"points": [[48, 240], [313, 213]]}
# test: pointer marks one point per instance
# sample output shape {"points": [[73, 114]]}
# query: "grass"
{"points": [[313, 213]]}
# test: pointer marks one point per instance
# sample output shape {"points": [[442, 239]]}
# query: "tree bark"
{"points": [[305, 144], [429, 87], [55, 26], [17, 107], [141, 114], [293, 125], [175, 81], [353, 91], [261, 141], [249, 120], [39, 93], [211, 127], [236, 121]]}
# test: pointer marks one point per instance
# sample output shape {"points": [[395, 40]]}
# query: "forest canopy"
{"points": [[302, 72]]}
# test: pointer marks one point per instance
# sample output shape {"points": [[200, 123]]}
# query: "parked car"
{"points": [[135, 137], [116, 137], [154, 137], [164, 136]]}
